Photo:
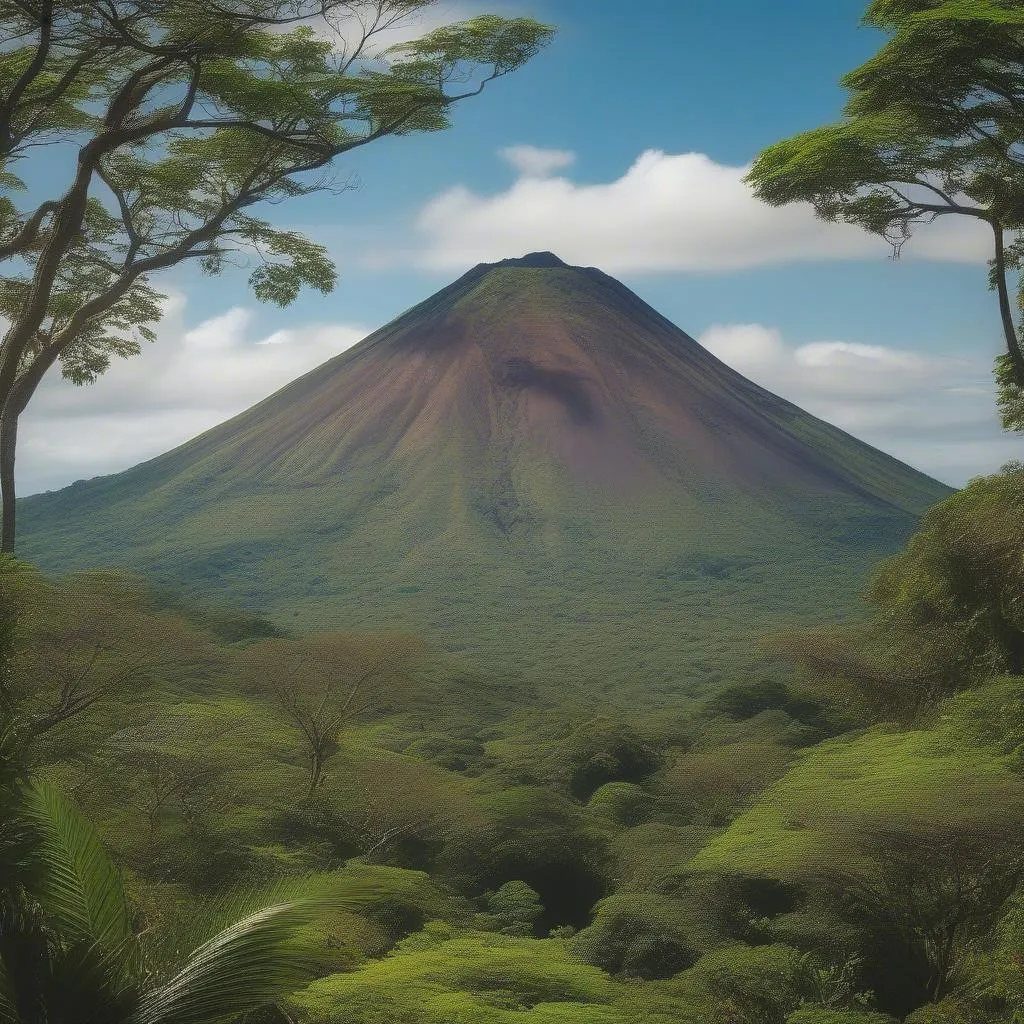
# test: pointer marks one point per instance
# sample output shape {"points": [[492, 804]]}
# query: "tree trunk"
{"points": [[1005, 310], [18, 397], [316, 771], [8, 448]]}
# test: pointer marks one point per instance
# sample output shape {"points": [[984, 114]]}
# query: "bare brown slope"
{"points": [[562, 364]]}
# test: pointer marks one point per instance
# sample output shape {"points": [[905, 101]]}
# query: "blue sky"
{"points": [[641, 119]]}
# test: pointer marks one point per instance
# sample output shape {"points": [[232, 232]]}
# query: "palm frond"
{"points": [[200, 921], [8, 1009], [16, 837], [251, 963], [78, 887], [272, 947]]}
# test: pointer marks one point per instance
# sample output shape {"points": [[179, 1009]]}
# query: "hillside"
{"points": [[532, 467]]}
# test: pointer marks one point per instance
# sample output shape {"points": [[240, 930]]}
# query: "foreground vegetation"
{"points": [[833, 845], [206, 817]]}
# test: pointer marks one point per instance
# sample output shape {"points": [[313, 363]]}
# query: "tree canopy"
{"points": [[933, 127], [185, 116], [946, 611], [915, 853]]}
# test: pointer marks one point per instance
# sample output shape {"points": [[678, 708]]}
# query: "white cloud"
{"points": [[187, 381], [668, 212], [936, 413], [348, 24], [534, 162]]}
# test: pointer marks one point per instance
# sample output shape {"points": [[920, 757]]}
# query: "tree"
{"points": [[604, 750], [394, 807], [911, 838], [531, 835], [938, 886], [438, 976], [87, 641], [776, 984], [707, 785], [961, 572], [637, 935], [934, 127], [185, 778], [186, 114], [324, 682], [948, 611], [515, 908], [884, 669], [164, 792], [67, 946]]}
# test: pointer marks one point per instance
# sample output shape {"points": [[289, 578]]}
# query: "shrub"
{"points": [[754, 984], [636, 935], [623, 802], [605, 751], [515, 908], [453, 754], [952, 1011]]}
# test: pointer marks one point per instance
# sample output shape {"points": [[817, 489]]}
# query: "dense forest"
{"points": [[832, 840], [208, 817]]}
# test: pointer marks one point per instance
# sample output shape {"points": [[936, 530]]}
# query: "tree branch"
{"points": [[28, 76], [29, 231]]}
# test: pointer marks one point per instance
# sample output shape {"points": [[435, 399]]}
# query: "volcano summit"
{"points": [[532, 466]]}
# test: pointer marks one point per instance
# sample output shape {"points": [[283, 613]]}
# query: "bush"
{"points": [[636, 935], [952, 1011], [474, 979], [446, 752], [745, 700], [605, 751], [755, 984], [708, 786], [515, 908], [623, 802], [531, 835]]}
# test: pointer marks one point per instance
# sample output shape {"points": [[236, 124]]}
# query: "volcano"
{"points": [[532, 467]]}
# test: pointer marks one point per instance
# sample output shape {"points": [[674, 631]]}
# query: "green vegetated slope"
{"points": [[532, 468], [780, 852]]}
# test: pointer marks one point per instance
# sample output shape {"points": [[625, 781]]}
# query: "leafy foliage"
{"points": [[67, 943], [637, 935], [932, 128], [483, 979], [917, 854], [716, 861], [515, 908], [947, 611]]}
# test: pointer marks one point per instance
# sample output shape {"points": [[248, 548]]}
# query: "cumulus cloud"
{"points": [[936, 413], [667, 212], [187, 381], [346, 25], [534, 162]]}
